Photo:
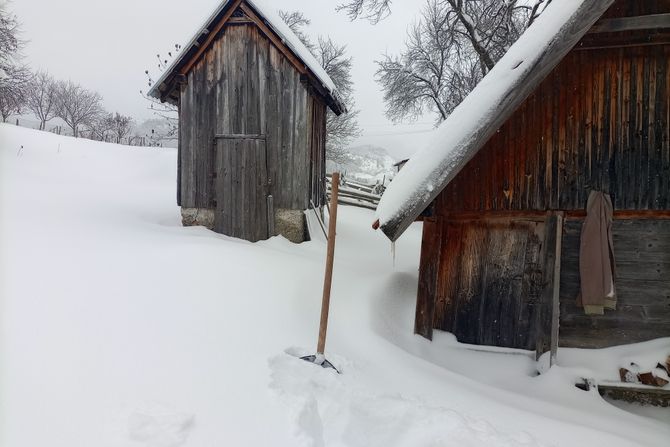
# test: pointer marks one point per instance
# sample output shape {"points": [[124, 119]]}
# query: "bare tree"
{"points": [[76, 105], [41, 97], [377, 10], [167, 114], [297, 21], [453, 45], [121, 127], [372, 10], [11, 102], [14, 76], [340, 130], [100, 128]]}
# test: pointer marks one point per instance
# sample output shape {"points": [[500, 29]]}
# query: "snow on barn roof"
{"points": [[268, 13], [525, 65]]}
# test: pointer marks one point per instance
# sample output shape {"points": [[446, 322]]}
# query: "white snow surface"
{"points": [[445, 151], [119, 327], [268, 10]]}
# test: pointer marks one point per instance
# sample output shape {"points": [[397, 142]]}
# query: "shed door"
{"points": [[241, 187], [491, 282]]}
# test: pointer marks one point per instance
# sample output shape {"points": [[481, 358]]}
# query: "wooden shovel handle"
{"points": [[328, 279]]}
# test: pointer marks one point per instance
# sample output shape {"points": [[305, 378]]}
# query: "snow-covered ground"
{"points": [[121, 328]]}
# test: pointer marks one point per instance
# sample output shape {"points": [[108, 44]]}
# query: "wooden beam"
{"points": [[239, 137], [555, 306], [540, 215], [429, 268], [547, 317], [630, 39], [634, 393], [653, 21]]}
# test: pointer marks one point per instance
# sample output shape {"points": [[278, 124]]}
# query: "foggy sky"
{"points": [[107, 45]]}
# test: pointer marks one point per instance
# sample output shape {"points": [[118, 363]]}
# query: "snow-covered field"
{"points": [[121, 328]]}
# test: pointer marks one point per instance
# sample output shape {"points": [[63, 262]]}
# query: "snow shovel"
{"points": [[319, 358]]}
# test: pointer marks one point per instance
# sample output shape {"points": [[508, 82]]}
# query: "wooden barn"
{"points": [[579, 104], [252, 124]]}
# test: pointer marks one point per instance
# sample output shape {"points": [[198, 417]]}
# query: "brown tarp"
{"points": [[596, 256]]}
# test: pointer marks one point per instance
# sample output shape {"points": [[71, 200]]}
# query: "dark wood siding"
{"points": [[243, 85], [599, 121], [484, 281], [628, 8]]}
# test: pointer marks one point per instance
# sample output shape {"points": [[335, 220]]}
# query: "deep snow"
{"points": [[121, 328]]}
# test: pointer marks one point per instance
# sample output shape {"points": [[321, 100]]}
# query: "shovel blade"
{"points": [[319, 360]]}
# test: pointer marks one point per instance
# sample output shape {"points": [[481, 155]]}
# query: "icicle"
{"points": [[393, 252]]}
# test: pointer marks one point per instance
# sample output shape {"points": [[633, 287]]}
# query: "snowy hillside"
{"points": [[367, 164], [121, 328]]}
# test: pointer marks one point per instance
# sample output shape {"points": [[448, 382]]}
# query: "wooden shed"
{"points": [[580, 103], [252, 124]]}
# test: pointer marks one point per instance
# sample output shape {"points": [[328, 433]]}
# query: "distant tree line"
{"points": [[24, 91]]}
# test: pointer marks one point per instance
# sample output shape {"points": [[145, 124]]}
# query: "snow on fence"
{"points": [[356, 193]]}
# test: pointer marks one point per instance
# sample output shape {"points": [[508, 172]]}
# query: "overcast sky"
{"points": [[106, 46]]}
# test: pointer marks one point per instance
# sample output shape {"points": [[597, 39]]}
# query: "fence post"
{"points": [[17, 121]]}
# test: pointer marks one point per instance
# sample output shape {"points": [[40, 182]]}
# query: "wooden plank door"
{"points": [[491, 282], [241, 187]]}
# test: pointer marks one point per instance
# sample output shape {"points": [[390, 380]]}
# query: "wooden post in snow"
{"points": [[327, 282]]}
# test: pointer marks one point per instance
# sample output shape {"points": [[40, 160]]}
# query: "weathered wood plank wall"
{"points": [[599, 121], [642, 251], [483, 280], [243, 85], [628, 8]]}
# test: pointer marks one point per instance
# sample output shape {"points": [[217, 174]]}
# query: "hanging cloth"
{"points": [[596, 257]]}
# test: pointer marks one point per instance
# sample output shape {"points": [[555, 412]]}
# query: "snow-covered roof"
{"points": [[489, 105], [266, 9]]}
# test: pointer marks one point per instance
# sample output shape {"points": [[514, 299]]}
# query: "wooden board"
{"points": [[429, 265], [241, 189]]}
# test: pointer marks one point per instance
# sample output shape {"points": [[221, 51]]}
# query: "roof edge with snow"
{"points": [[163, 88], [523, 68]]}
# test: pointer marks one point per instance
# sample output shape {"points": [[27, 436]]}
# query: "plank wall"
{"points": [[243, 85]]}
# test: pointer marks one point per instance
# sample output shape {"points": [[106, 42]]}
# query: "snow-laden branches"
{"points": [[448, 51], [14, 76], [372, 10]]}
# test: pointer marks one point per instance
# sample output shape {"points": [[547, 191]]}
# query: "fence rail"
{"points": [[356, 194]]}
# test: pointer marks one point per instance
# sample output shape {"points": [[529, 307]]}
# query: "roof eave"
{"points": [[587, 15]]}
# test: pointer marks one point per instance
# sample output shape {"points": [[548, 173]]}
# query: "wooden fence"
{"points": [[357, 194]]}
